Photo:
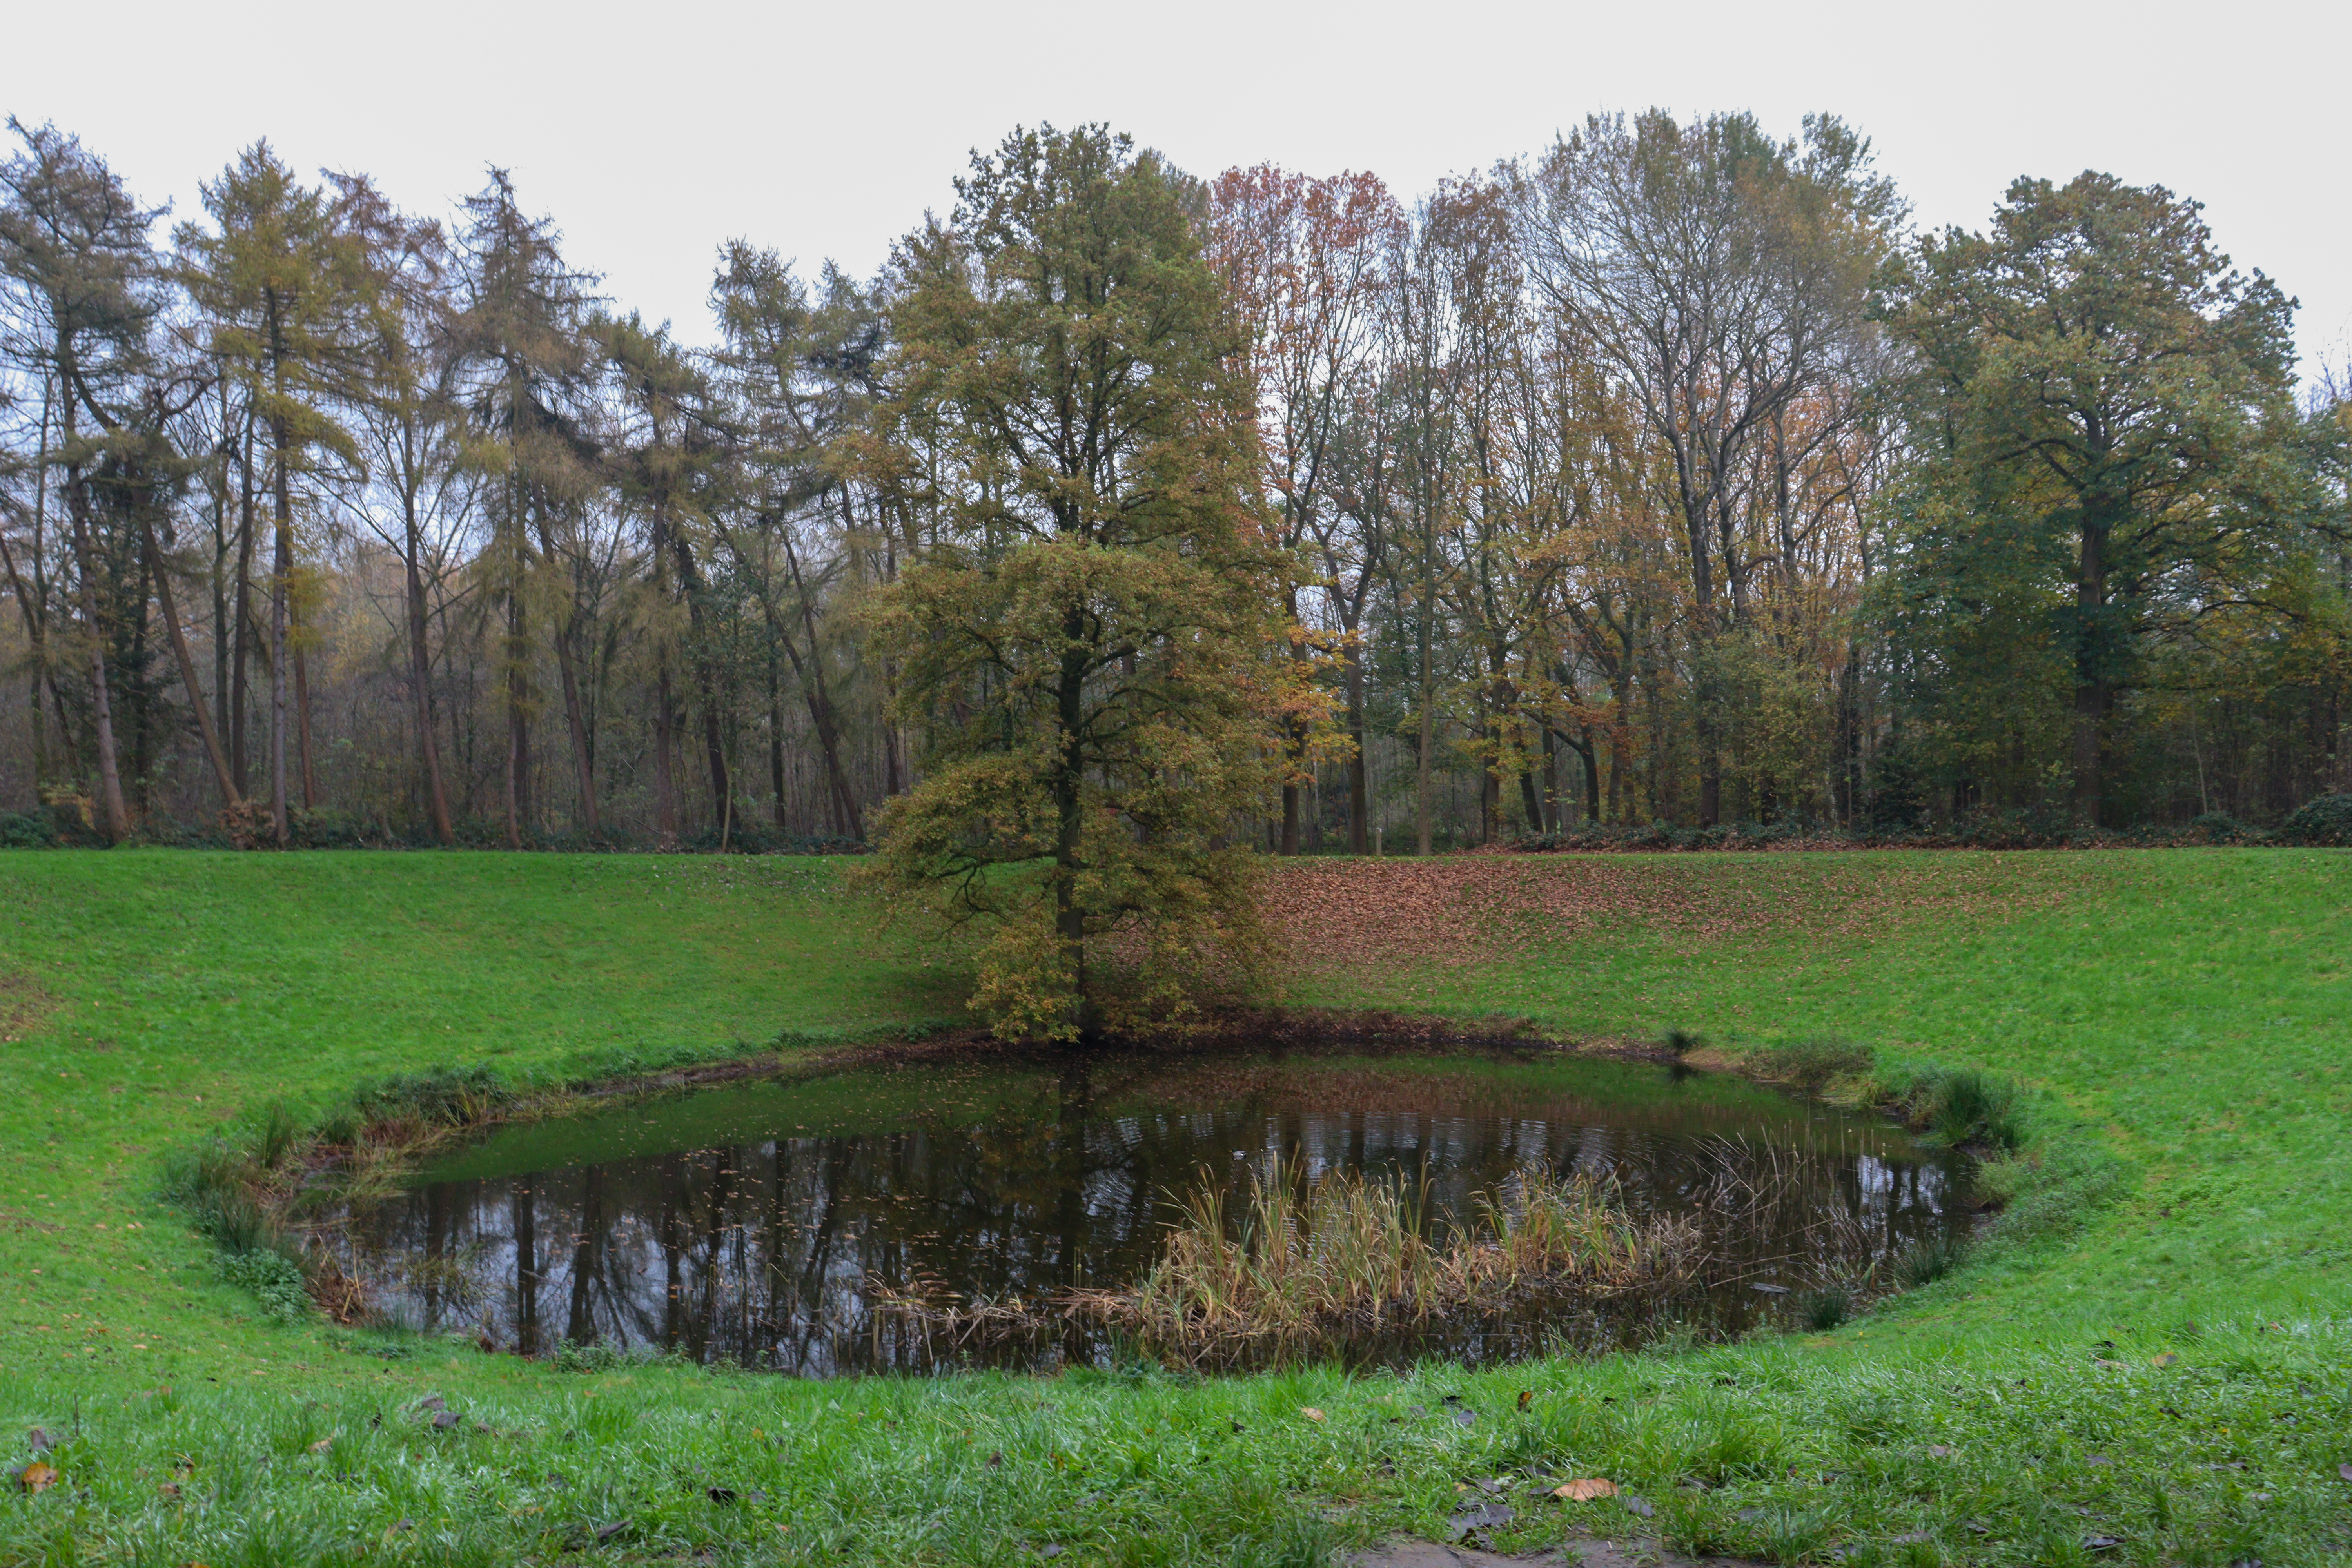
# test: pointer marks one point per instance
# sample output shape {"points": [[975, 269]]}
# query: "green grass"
{"points": [[2169, 1370]]}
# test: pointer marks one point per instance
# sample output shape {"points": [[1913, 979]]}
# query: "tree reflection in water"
{"points": [[763, 1251]]}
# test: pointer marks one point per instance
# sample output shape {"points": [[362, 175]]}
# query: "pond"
{"points": [[761, 1222]]}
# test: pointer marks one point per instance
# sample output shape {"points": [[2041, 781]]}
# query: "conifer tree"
{"points": [[279, 283], [81, 279], [523, 333]]}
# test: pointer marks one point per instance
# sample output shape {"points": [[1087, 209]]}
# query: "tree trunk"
{"points": [[820, 701], [29, 610], [196, 705], [243, 662], [115, 820], [2092, 689], [582, 761], [517, 791], [281, 568], [1422, 827], [665, 744], [302, 719], [776, 740], [420, 675], [1360, 832], [1069, 780]]}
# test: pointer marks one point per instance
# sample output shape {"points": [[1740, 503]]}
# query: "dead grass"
{"points": [[1349, 1267], [23, 1005]]}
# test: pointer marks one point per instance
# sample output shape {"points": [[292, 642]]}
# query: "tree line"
{"points": [[1125, 519]]}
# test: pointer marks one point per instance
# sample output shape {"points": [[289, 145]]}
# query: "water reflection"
{"points": [[761, 1249]]}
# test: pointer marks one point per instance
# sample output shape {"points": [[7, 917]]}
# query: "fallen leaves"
{"points": [[38, 1477], [2169, 1358], [1310, 1413], [1586, 1489], [1458, 910]]}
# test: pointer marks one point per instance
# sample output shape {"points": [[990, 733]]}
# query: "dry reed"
{"points": [[1345, 1266]]}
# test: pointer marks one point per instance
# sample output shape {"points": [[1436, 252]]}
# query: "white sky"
{"points": [[652, 132]]}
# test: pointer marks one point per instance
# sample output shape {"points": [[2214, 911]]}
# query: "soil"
{"points": [[1579, 1551]]}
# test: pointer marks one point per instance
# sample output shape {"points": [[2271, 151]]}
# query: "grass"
{"points": [[2153, 1365]]}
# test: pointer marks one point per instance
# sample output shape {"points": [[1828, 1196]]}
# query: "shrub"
{"points": [[2326, 820], [275, 1280], [27, 831], [439, 1095], [573, 1355]]}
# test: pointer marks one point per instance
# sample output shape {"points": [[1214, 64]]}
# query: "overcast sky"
{"points": [[653, 132]]}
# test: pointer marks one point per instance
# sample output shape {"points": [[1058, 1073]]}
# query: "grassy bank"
{"points": [[2162, 1376]]}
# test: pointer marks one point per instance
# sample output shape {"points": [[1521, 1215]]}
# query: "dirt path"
{"points": [[1579, 1552]]}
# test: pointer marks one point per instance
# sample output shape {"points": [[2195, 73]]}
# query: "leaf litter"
{"points": [[1457, 909]]}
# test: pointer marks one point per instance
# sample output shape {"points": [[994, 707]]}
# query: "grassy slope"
{"points": [[2186, 1009]]}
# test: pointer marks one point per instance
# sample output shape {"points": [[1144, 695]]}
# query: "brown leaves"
{"points": [[38, 1477], [1586, 1490], [1456, 910], [1310, 1413]]}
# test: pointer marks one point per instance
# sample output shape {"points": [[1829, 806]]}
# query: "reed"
{"points": [[1349, 1267]]}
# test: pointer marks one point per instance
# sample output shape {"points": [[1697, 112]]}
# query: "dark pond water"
{"points": [[749, 1223]]}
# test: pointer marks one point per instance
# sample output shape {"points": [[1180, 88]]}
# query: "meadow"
{"points": [[2150, 1361]]}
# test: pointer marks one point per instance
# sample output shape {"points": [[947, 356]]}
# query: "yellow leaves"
{"points": [[2168, 1358], [1589, 1490], [38, 1477], [1310, 1413]]}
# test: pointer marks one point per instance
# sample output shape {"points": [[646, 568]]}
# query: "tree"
{"points": [[1301, 259], [278, 283], [1083, 636], [405, 400], [81, 280], [802, 379], [1724, 276], [2107, 416], [662, 464], [523, 333]]}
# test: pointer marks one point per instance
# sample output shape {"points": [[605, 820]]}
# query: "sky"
{"points": [[653, 133]]}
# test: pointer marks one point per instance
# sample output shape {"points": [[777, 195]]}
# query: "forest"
{"points": [[1666, 476]]}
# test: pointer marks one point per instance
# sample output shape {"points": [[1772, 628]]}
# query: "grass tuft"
{"points": [[1826, 1307], [1929, 1259]]}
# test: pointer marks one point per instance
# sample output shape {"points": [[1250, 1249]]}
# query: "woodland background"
{"points": [[1664, 478]]}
